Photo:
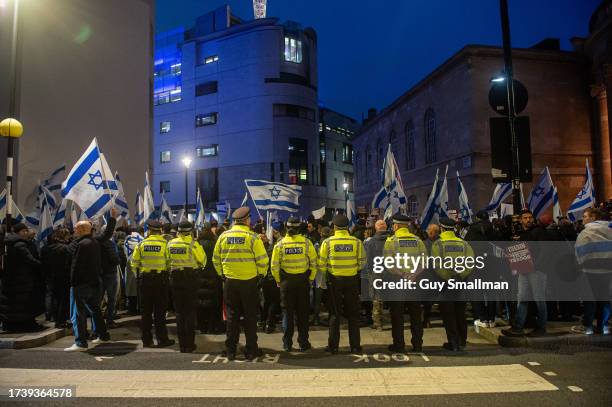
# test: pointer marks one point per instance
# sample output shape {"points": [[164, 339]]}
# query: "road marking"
{"points": [[550, 373], [274, 383], [425, 358], [101, 358], [533, 363], [575, 389]]}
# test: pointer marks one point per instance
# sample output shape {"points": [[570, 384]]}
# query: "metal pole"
{"points": [[13, 114], [516, 175], [186, 189]]}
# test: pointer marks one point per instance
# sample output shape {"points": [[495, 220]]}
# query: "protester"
{"points": [[55, 258], [374, 248]]}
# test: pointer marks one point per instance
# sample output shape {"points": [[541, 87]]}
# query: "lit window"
{"points": [[164, 156], [347, 153], [207, 151], [211, 59], [175, 69], [164, 186], [175, 95], [293, 50], [164, 127], [206, 119]]}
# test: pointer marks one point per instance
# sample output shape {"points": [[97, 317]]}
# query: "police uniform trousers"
{"points": [[453, 316], [184, 285], [343, 299], [397, 310], [241, 300], [295, 298], [154, 303]]}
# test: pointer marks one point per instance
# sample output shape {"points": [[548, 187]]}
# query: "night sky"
{"points": [[372, 51]]}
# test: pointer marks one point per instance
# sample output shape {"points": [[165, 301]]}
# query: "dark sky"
{"points": [[372, 51]]}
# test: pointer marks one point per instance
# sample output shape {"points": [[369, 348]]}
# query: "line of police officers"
{"points": [[241, 259]]}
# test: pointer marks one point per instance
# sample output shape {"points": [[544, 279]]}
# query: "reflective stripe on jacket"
{"points": [[150, 255], [404, 242], [341, 255], [184, 252], [451, 246], [240, 254], [294, 255]]}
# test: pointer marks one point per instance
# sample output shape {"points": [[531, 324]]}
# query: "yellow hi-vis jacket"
{"points": [[294, 255], [342, 255], [240, 254], [184, 252], [449, 247], [404, 242], [150, 255]]}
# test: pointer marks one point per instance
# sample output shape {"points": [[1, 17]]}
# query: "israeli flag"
{"points": [[200, 214], [45, 228], [557, 214], [442, 203], [16, 214], [541, 197], [165, 212], [429, 211], [501, 192], [351, 214], [139, 215], [319, 213], [392, 191], [54, 182], [584, 199], [74, 216], [269, 195], [85, 183], [45, 195], [59, 217], [245, 199], [465, 212], [148, 202], [120, 201]]}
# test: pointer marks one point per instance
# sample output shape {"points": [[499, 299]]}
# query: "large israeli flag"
{"points": [[200, 215], [584, 199], [120, 202], [392, 191], [269, 195], [501, 192], [165, 212], [45, 228], [148, 202], [465, 212], [85, 183], [541, 197], [430, 211]]}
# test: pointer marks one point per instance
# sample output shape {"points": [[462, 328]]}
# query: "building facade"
{"points": [[240, 99], [444, 120], [336, 132], [84, 70]]}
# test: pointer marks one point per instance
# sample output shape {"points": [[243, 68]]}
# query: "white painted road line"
{"points": [[533, 363], [575, 389], [550, 373], [274, 383]]}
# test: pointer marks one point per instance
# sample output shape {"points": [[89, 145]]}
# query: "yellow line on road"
{"points": [[284, 382]]}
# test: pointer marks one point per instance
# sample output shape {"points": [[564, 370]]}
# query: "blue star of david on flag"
{"points": [[538, 191], [275, 192], [92, 180]]}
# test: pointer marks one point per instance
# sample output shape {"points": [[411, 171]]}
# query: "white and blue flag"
{"points": [[54, 182], [245, 199], [557, 214], [584, 199], [269, 195], [221, 211], [45, 194], [59, 217], [16, 214], [85, 183], [200, 214], [465, 212], [351, 214], [148, 202], [429, 211], [120, 202], [139, 215], [165, 212], [392, 191], [442, 203], [501, 192], [541, 197], [45, 227]]}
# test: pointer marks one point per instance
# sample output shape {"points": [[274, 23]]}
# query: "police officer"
{"points": [[405, 243], [451, 305], [185, 257], [149, 262], [342, 256], [240, 257], [294, 266]]}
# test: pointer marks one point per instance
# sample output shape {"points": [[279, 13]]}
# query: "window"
{"points": [[412, 206], [206, 119], [348, 179], [298, 161], [410, 155], [207, 151], [466, 162], [336, 184], [335, 155], [347, 153], [164, 127], [322, 157], [356, 167], [283, 110], [175, 69], [164, 156], [430, 136], [164, 186], [210, 59], [162, 98], [393, 142], [293, 50], [206, 88]]}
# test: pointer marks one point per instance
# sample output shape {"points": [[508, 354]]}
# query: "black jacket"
{"points": [[55, 258], [86, 265], [374, 247], [110, 256], [22, 285]]}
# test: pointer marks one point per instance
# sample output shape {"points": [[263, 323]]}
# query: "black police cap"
{"points": [[293, 222], [185, 226], [400, 219], [154, 224], [340, 221], [447, 223]]}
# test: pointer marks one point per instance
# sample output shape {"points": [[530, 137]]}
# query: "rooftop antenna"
{"points": [[259, 8]]}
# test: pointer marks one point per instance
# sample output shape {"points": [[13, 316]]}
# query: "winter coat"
{"points": [[109, 254], [55, 258], [86, 264], [209, 282], [22, 284]]}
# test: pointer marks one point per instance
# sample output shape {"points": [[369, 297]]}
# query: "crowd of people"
{"points": [[232, 277]]}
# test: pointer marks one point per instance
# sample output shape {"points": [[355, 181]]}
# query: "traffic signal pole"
{"points": [[509, 77]]}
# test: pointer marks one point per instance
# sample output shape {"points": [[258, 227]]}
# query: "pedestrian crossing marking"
{"points": [[275, 382], [533, 363], [575, 389], [550, 373]]}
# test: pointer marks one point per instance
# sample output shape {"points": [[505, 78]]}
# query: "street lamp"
{"points": [[186, 163], [345, 187]]}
